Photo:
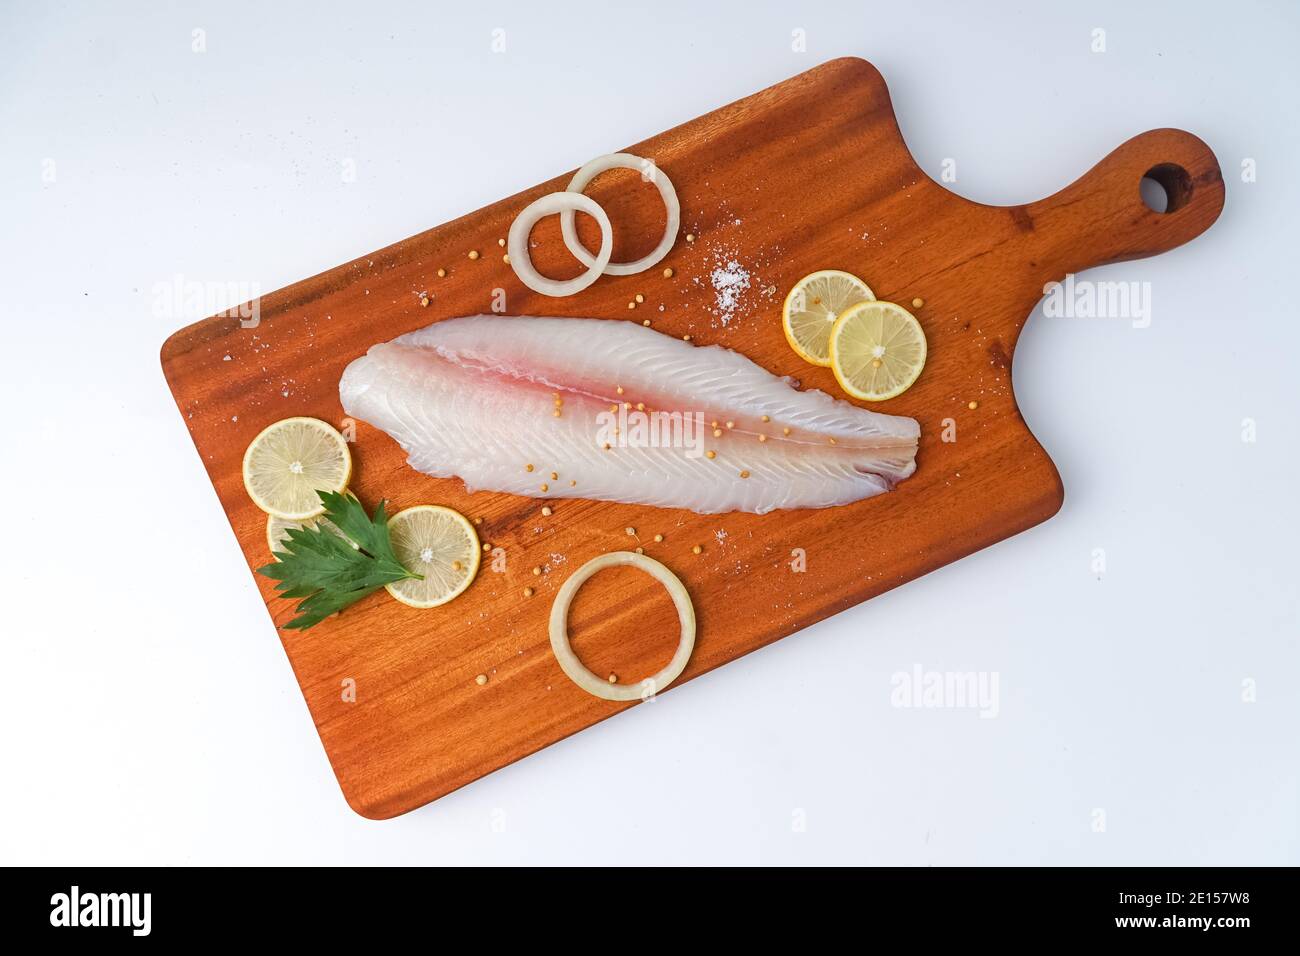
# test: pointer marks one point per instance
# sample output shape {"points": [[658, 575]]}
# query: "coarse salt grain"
{"points": [[730, 280]]}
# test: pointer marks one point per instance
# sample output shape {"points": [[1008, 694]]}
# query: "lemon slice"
{"points": [[290, 461], [877, 350], [277, 531], [439, 544], [812, 307]]}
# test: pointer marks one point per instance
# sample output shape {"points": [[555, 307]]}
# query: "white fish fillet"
{"points": [[475, 398]]}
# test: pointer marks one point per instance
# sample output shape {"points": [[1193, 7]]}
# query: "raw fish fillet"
{"points": [[477, 397]]}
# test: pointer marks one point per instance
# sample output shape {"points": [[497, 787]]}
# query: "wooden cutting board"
{"points": [[809, 174]]}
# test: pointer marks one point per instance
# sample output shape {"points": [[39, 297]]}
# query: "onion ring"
{"points": [[577, 671], [622, 161], [517, 244]]}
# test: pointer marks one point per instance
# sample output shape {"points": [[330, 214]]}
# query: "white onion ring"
{"points": [[622, 161], [578, 672], [522, 262]]}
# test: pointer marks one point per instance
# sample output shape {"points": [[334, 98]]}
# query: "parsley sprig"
{"points": [[327, 570]]}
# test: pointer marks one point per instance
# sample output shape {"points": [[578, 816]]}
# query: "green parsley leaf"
{"points": [[330, 572]]}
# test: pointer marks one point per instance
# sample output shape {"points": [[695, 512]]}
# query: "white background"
{"points": [[147, 711]]}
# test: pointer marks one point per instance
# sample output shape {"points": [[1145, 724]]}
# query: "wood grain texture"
{"points": [[809, 174]]}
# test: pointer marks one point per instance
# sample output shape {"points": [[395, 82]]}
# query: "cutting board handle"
{"points": [[1101, 217]]}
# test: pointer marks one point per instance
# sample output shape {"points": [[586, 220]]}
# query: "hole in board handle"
{"points": [[1165, 188]]}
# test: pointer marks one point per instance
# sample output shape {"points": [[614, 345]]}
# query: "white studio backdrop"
{"points": [[1146, 705]]}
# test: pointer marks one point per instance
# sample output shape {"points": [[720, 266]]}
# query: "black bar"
{"points": [[1149, 905]]}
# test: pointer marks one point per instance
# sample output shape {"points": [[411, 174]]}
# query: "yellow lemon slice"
{"points": [[439, 544], [290, 461], [877, 350], [812, 307], [277, 531]]}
